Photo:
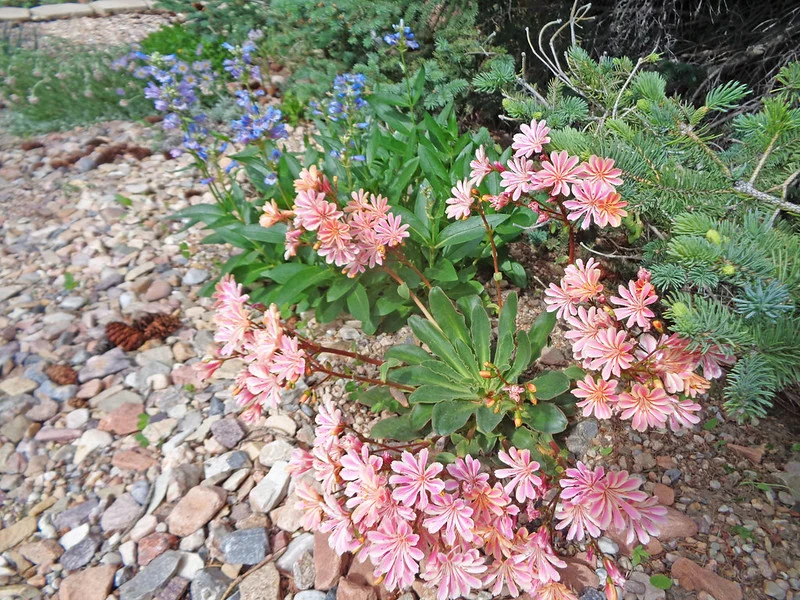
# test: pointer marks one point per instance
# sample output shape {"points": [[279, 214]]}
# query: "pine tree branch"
{"points": [[748, 189], [763, 160]]}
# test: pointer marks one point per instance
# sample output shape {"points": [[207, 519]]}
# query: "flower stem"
{"points": [[319, 368], [414, 297], [403, 259], [497, 274]]}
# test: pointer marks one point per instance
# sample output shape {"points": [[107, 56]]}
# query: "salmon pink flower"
{"points": [[582, 280], [454, 573], [597, 396], [542, 557], [580, 481], [368, 497], [300, 462], [684, 414], [459, 205], [531, 139], [338, 523], [291, 242], [518, 178], [559, 301], [557, 174], [451, 514], [480, 167], [312, 210], [585, 324], [646, 407], [588, 197], [329, 420], [610, 351], [651, 520], [522, 473], [310, 179], [415, 479], [634, 302], [394, 552], [466, 472], [389, 231], [511, 573], [614, 501], [578, 517], [554, 591], [290, 364], [263, 384], [601, 170], [312, 503], [610, 210]]}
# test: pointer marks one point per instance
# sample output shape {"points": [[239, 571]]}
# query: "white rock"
{"points": [[282, 424], [270, 490], [128, 553], [73, 536], [91, 440]]}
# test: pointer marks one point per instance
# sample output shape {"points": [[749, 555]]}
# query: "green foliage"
{"points": [[661, 582], [186, 44], [69, 281], [639, 555], [60, 86], [463, 386]]}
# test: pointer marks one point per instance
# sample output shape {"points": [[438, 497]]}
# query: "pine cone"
{"points": [[123, 335], [142, 322], [61, 374], [162, 326]]}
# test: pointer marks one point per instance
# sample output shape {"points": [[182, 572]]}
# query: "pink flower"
{"points": [[232, 318], [518, 178], [580, 481], [459, 205], [310, 179], [558, 300], [554, 591], [647, 407], [582, 280], [290, 364], [578, 517], [390, 232], [329, 420], [511, 573], [451, 514], [585, 324], [601, 170], [610, 210], [327, 466], [291, 242], [588, 197], [684, 414], [336, 243], [713, 360], [454, 573], [652, 517], [490, 502], [415, 480], [542, 557], [467, 472], [609, 351], [311, 502], [557, 174], [358, 464], [368, 497], [272, 214], [394, 552], [263, 384], [531, 140], [615, 499], [634, 302], [300, 462], [598, 396], [337, 522], [522, 474], [312, 210], [480, 167]]}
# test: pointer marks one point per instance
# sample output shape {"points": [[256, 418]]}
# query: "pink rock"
{"points": [[90, 389], [355, 591], [578, 575], [196, 509], [187, 375], [132, 460], [123, 420], [692, 576], [665, 494], [666, 462], [90, 584], [54, 434], [158, 289], [45, 552], [329, 566], [752, 453], [678, 526], [155, 545]]}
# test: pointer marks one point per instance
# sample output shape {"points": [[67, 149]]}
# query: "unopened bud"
{"points": [[304, 398], [658, 326], [498, 276], [530, 387], [518, 419], [611, 590], [490, 402], [608, 309], [713, 236], [728, 270], [486, 374]]}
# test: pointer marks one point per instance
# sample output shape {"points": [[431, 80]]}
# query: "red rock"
{"points": [[363, 573], [665, 494], [123, 420], [752, 453], [196, 509], [131, 460], [187, 375], [578, 575], [90, 584], [654, 548], [57, 434], [692, 576], [155, 545], [678, 526], [354, 591], [666, 462], [175, 590], [45, 552], [329, 566]]}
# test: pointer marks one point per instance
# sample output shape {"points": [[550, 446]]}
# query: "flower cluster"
{"points": [[355, 238], [274, 355], [554, 186], [462, 527], [636, 371], [402, 36], [346, 99]]}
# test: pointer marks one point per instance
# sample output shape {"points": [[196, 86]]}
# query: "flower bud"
{"points": [[728, 270], [486, 374], [530, 387], [518, 419], [611, 590], [713, 236], [658, 326]]}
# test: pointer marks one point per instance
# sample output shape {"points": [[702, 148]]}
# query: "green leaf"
{"points": [[446, 315], [208, 213], [409, 353], [468, 230], [421, 415], [515, 272], [431, 164], [506, 328], [419, 84], [443, 272], [340, 287], [451, 415], [524, 438], [544, 418], [432, 337], [639, 554], [123, 200], [487, 419], [522, 359], [540, 332], [290, 292], [574, 372], [401, 180], [432, 394], [481, 330], [271, 235], [448, 375], [358, 303], [661, 582], [394, 428], [550, 384]]}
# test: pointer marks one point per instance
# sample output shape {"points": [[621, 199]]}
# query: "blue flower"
{"points": [[270, 179]]}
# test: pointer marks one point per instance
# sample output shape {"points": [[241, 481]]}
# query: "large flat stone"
{"points": [[10, 13], [114, 7], [67, 10]]}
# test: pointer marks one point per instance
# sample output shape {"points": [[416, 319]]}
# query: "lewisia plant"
{"points": [[465, 526]]}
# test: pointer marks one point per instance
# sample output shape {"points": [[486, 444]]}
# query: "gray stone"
{"points": [[16, 386], [590, 594], [152, 578], [223, 465], [303, 571], [195, 277], [60, 393], [123, 513], [246, 546], [114, 7], [73, 302], [297, 547], [42, 411], [10, 13], [109, 363], [15, 429], [9, 291], [274, 451], [270, 490], [349, 334], [309, 595], [67, 10], [80, 554], [227, 432], [580, 438], [209, 584], [112, 280], [773, 590], [608, 546], [673, 474], [263, 584], [71, 518], [109, 403]]}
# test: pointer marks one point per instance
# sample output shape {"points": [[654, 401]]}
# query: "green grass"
{"points": [[31, 3]]}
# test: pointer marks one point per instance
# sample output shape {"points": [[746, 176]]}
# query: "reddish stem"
{"points": [[319, 368], [402, 258], [317, 348], [497, 275]]}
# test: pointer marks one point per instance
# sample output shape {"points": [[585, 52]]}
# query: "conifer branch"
{"points": [[748, 189]]}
